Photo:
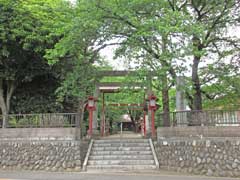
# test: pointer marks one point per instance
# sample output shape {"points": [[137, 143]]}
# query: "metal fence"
{"points": [[202, 118], [41, 120]]}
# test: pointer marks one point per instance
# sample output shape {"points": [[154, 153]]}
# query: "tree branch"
{"points": [[211, 97], [190, 98]]}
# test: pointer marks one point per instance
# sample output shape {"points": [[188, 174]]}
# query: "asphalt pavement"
{"points": [[23, 175]]}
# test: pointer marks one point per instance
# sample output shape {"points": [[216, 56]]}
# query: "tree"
{"points": [[24, 35], [79, 48], [146, 31], [33, 96], [215, 43], [223, 89]]}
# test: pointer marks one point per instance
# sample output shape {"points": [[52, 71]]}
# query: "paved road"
{"points": [[100, 176]]}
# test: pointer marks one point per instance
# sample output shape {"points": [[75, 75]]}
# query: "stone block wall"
{"points": [[212, 157], [42, 155]]}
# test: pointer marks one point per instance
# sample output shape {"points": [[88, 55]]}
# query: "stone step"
{"points": [[121, 145], [121, 152], [122, 141], [122, 157], [121, 167], [121, 148], [121, 162]]}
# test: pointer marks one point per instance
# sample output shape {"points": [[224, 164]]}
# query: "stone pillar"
{"points": [[180, 94], [78, 133], [181, 102]]}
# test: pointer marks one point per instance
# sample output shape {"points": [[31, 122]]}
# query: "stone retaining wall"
{"points": [[212, 157], [42, 155]]}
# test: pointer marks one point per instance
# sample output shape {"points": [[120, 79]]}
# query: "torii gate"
{"points": [[114, 87]]}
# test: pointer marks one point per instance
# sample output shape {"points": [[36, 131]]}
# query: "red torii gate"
{"points": [[115, 87]]}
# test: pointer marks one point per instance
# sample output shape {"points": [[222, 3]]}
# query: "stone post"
{"points": [[78, 133], [181, 103]]}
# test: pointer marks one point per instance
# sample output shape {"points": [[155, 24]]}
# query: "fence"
{"points": [[202, 118], [41, 120]]}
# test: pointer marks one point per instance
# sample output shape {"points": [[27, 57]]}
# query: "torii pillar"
{"points": [[95, 113], [148, 115]]}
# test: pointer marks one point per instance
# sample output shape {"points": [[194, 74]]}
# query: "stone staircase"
{"points": [[122, 154]]}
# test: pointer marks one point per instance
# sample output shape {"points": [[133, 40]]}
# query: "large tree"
{"points": [[218, 18], [26, 30], [80, 46], [151, 34]]}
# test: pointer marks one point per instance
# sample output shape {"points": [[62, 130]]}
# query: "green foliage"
{"points": [[130, 93], [36, 120], [34, 97], [14, 122], [159, 36], [125, 97], [81, 43], [29, 25], [151, 35], [79, 83], [222, 90], [27, 29]]}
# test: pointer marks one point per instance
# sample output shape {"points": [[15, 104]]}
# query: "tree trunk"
{"points": [[165, 95], [4, 111], [197, 96], [165, 102], [3, 104], [81, 117], [10, 90], [133, 120]]}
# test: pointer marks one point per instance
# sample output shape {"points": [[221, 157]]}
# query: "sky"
{"points": [[108, 54]]}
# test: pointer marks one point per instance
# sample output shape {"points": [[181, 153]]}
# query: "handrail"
{"points": [[87, 155], [44, 120], [202, 118], [205, 110], [154, 153]]}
